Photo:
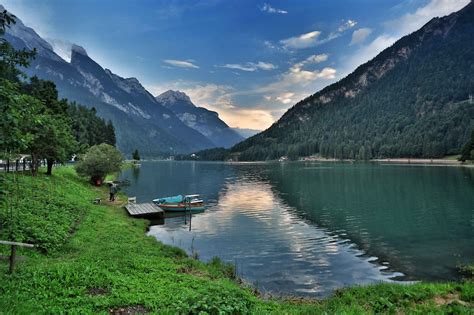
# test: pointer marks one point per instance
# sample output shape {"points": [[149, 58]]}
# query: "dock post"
{"points": [[190, 215]]}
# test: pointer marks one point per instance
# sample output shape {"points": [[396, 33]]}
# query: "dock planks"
{"points": [[144, 210]]}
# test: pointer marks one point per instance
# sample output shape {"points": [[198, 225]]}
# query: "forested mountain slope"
{"points": [[409, 101]]}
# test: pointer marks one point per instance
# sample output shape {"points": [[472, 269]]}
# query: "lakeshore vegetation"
{"points": [[95, 259]]}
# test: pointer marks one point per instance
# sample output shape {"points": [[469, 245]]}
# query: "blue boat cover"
{"points": [[174, 199]]}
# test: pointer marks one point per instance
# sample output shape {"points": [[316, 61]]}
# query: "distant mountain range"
{"points": [[201, 119], [412, 100], [168, 124], [246, 133]]}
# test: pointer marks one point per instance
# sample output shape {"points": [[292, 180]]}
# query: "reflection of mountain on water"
{"points": [[387, 211]]}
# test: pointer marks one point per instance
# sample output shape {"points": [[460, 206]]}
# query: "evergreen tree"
{"points": [[135, 155], [467, 152]]}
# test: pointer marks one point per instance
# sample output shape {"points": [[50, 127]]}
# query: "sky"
{"points": [[249, 60]]}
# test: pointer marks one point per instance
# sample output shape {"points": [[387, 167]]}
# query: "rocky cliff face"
{"points": [[205, 121]]}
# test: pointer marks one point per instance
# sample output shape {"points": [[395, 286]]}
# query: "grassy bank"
{"points": [[95, 259]]}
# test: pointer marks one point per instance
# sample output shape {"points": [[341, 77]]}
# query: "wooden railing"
{"points": [[13, 252]]}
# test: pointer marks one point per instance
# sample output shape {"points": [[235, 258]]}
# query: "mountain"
{"points": [[245, 132], [140, 121], [203, 120], [409, 101]]}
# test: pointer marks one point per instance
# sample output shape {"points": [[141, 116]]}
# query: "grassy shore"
{"points": [[95, 259]]}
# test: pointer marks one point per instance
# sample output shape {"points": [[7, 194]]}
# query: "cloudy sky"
{"points": [[249, 60]]}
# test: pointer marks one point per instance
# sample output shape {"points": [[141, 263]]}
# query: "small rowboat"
{"points": [[181, 203]]}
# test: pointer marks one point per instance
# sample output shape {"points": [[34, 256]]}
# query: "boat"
{"points": [[181, 203]]}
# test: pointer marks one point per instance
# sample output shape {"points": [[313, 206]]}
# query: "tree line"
{"points": [[34, 120]]}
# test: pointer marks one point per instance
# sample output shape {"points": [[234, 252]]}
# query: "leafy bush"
{"points": [[99, 161]]}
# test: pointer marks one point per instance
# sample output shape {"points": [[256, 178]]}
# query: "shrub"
{"points": [[99, 161]]}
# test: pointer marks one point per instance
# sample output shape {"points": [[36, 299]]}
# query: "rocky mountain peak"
{"points": [[76, 49], [171, 97]]}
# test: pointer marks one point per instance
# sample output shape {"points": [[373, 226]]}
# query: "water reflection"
{"points": [[408, 215], [310, 228]]}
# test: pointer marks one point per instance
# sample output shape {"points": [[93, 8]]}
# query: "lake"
{"points": [[307, 228]]}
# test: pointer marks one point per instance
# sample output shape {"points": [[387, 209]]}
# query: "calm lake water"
{"points": [[309, 228]]}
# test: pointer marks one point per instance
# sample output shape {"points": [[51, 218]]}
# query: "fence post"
{"points": [[8, 165], [12, 259], [17, 162], [24, 164]]}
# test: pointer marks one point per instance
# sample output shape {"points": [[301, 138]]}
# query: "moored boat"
{"points": [[181, 203]]}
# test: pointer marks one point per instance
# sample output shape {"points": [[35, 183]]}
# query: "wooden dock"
{"points": [[144, 210]]}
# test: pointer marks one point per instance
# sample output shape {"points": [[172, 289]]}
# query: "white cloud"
{"points": [[237, 66], [412, 21], [285, 98], [292, 85], [312, 39], [314, 59], [360, 35], [265, 65], [181, 63], [302, 41], [347, 25], [250, 66], [269, 9]]}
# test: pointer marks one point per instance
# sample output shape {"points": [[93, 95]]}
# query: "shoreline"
{"points": [[87, 271], [394, 161], [404, 161]]}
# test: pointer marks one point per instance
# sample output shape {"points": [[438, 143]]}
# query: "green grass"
{"points": [[94, 258]]}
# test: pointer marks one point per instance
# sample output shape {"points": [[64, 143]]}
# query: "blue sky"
{"points": [[248, 60]]}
